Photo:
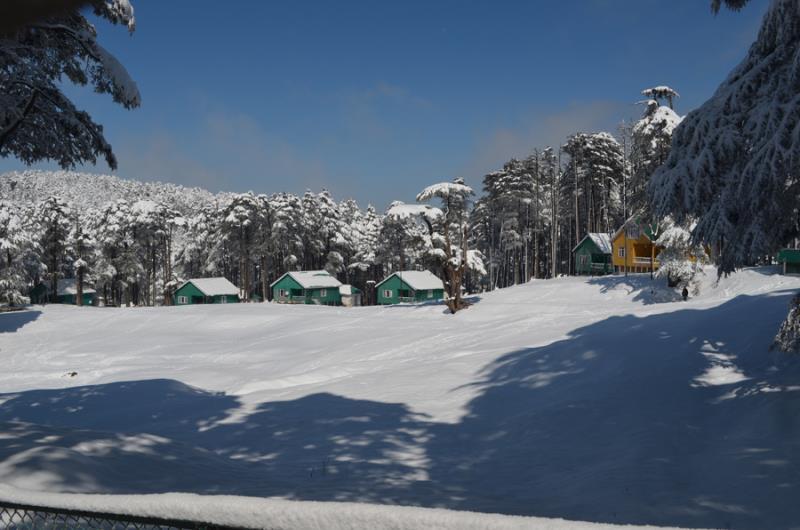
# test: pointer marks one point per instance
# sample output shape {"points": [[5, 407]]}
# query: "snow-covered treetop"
{"points": [[401, 210], [735, 5], [443, 190], [661, 91], [657, 119]]}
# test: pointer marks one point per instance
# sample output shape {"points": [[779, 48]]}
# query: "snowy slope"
{"points": [[571, 398]]}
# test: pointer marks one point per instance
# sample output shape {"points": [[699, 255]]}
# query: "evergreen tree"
{"points": [[14, 242], [651, 140], [53, 219], [37, 119]]}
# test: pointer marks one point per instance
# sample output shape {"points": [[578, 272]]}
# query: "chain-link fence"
{"points": [[24, 517]]}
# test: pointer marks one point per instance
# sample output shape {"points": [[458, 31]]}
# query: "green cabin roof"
{"points": [[789, 255]]}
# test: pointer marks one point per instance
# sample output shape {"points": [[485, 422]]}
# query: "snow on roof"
{"points": [[312, 279], [213, 286], [602, 241], [643, 227], [68, 286], [418, 280]]}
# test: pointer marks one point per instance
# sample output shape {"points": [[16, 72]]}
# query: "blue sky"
{"points": [[375, 100]]}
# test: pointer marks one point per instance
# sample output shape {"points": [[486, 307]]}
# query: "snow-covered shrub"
{"points": [[788, 337], [681, 260]]}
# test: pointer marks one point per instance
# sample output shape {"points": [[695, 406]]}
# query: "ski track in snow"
{"points": [[570, 398]]}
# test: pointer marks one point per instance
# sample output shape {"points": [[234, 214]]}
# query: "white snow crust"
{"points": [[277, 514]]}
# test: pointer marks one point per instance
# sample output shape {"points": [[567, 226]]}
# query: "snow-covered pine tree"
{"points": [[37, 119], [53, 217], [596, 167], [651, 139], [402, 241], [452, 234], [83, 252], [735, 161], [119, 268], [14, 242], [364, 265], [681, 259], [240, 221], [661, 92]]}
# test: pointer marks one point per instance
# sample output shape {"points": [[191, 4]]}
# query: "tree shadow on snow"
{"points": [[14, 320], [680, 418], [645, 289], [668, 419], [161, 435]]}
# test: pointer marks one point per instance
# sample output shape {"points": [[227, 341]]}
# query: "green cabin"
{"points": [[307, 287], [408, 287], [206, 291], [67, 293], [593, 255], [790, 259]]}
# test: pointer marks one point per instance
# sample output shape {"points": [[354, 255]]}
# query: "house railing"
{"points": [[297, 299], [642, 261], [407, 299], [15, 516]]}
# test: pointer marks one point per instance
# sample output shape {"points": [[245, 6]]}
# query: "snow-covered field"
{"points": [[572, 398]]}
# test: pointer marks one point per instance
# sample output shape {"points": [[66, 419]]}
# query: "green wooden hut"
{"points": [[307, 287], [409, 287], [790, 259], [67, 293], [206, 291], [593, 255]]}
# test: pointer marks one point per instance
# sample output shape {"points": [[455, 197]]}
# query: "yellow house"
{"points": [[634, 248]]}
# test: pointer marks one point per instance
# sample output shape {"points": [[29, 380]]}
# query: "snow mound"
{"points": [[275, 514]]}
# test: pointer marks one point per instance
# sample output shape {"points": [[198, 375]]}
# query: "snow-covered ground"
{"points": [[575, 398]]}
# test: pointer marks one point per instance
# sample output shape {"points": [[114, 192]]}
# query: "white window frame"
{"points": [[224, 299], [183, 300], [323, 293], [430, 293], [283, 293], [621, 252], [388, 293]]}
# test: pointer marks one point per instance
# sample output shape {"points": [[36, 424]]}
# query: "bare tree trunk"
{"points": [[79, 282], [264, 278]]}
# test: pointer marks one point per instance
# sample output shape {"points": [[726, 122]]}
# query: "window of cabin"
{"points": [[323, 293], [183, 300], [430, 293], [283, 293], [223, 299], [387, 293], [621, 252]]}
